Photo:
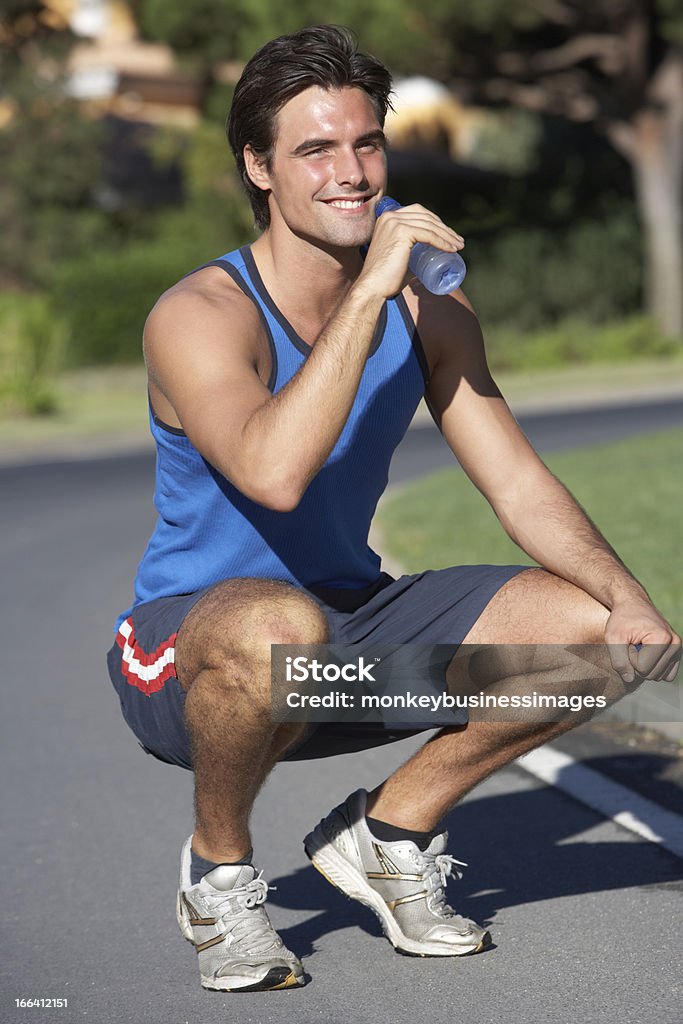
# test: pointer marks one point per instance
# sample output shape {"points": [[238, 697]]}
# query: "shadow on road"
{"points": [[520, 850]]}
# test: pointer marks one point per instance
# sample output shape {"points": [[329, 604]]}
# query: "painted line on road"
{"points": [[624, 807]]}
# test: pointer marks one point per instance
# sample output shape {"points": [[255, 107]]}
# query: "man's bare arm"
{"points": [[202, 356], [535, 508], [268, 446]]}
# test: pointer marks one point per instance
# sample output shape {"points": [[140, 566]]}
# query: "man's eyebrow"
{"points": [[373, 136], [311, 144]]}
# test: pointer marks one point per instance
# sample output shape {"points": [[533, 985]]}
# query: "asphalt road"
{"points": [[424, 450], [586, 918]]}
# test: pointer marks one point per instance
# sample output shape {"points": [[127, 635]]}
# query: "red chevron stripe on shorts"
{"points": [[147, 671]]}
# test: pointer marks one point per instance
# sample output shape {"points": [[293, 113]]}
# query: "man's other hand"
{"points": [[641, 642]]}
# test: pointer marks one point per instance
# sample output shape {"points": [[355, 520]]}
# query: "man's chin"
{"points": [[332, 241], [353, 237]]}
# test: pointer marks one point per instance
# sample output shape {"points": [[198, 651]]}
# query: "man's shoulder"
{"points": [[202, 330], [208, 296], [209, 287], [444, 322]]}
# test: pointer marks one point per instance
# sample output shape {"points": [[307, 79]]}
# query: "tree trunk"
{"points": [[659, 188], [653, 144]]}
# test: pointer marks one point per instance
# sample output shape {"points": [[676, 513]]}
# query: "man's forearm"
{"points": [[292, 434], [550, 525]]}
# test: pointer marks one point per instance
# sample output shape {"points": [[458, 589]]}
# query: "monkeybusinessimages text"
{"points": [[305, 670]]}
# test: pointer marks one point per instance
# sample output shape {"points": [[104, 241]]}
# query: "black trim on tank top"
{"points": [[414, 336], [178, 431], [297, 341]]}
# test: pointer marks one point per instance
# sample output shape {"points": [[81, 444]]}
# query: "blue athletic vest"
{"points": [[207, 530]]}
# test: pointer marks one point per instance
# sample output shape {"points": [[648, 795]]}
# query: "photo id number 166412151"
{"points": [[42, 1003]]}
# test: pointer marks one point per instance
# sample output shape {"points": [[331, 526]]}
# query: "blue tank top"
{"points": [[207, 530]]}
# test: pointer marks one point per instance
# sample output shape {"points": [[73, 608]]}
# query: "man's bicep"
{"points": [[489, 444], [459, 374], [472, 414], [453, 346]]}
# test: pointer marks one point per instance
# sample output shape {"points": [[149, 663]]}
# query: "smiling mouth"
{"points": [[347, 204]]}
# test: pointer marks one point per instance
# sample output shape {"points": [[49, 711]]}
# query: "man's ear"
{"points": [[256, 168]]}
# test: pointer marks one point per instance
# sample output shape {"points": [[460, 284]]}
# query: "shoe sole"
{"points": [[343, 876], [276, 978]]}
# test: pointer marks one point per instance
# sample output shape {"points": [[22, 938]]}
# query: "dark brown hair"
{"points": [[323, 55]]}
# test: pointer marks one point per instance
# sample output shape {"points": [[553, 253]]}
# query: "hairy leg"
{"points": [[223, 663], [534, 608]]}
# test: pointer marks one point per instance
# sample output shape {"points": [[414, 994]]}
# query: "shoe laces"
{"points": [[245, 922], [438, 868]]}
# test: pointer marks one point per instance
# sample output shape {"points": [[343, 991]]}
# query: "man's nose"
{"points": [[349, 169]]}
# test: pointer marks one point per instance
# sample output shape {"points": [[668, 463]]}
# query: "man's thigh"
{"points": [[525, 614], [438, 606], [143, 661], [539, 608]]}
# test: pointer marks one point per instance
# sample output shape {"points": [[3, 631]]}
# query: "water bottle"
{"points": [[440, 271]]}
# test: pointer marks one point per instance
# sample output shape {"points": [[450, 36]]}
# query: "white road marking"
{"points": [[626, 808]]}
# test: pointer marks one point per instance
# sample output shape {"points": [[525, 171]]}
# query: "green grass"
{"points": [[109, 402], [631, 489], [573, 342]]}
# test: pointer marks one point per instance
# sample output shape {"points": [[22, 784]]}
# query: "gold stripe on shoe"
{"points": [[392, 904], [209, 942], [194, 919]]}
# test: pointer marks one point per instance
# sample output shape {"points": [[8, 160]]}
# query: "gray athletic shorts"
{"points": [[432, 607]]}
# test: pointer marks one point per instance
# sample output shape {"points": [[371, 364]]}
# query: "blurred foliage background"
{"points": [[569, 196]]}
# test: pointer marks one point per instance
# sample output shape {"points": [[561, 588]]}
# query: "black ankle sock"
{"points": [[200, 867], [387, 833]]}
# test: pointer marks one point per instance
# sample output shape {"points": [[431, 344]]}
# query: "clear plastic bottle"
{"points": [[440, 271]]}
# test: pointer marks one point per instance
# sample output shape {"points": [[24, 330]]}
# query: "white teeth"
{"points": [[347, 204]]}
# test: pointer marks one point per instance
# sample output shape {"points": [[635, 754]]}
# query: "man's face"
{"points": [[328, 167]]}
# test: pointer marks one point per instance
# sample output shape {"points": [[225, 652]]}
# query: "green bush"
{"points": [[576, 341], [105, 297], [51, 159], [32, 338], [527, 279]]}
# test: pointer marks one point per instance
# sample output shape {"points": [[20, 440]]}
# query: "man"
{"points": [[281, 379]]}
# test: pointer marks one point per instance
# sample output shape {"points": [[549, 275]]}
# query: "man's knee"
{"points": [[234, 625]]}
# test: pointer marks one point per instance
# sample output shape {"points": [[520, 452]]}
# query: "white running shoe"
{"points": [[403, 885], [224, 918]]}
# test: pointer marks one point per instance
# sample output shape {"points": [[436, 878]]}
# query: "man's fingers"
{"points": [[654, 650], [648, 658], [416, 207], [621, 663], [672, 662], [431, 228], [649, 661], [673, 671]]}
